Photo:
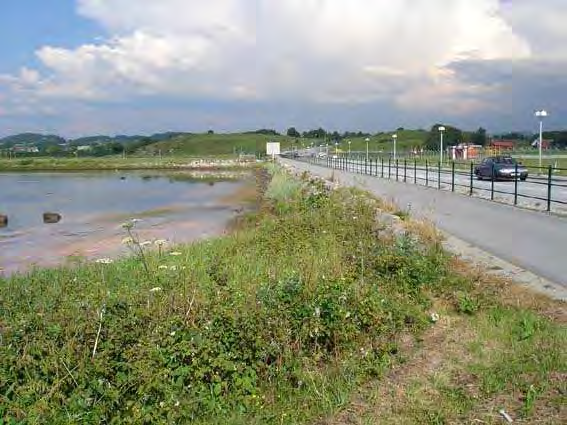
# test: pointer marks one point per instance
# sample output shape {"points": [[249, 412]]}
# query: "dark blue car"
{"points": [[500, 167]]}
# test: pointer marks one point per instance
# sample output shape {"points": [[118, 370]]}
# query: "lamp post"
{"points": [[336, 148], [367, 140], [394, 138], [541, 115], [349, 148], [441, 130]]}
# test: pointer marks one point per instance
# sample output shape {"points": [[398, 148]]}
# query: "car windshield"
{"points": [[505, 160]]}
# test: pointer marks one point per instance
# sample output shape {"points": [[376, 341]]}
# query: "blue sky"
{"points": [[27, 25], [79, 67]]}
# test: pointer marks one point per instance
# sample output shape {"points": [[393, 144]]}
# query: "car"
{"points": [[500, 167]]}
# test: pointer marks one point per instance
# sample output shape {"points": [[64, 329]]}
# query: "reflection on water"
{"points": [[176, 206]]}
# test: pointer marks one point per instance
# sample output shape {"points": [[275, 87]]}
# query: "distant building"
{"points": [[503, 144], [545, 143], [464, 151], [25, 149]]}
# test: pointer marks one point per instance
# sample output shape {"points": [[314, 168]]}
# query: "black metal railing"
{"points": [[545, 187]]}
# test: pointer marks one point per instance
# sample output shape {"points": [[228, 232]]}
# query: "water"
{"points": [[94, 205]]}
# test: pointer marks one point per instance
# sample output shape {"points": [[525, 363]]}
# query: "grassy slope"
{"points": [[407, 139], [272, 325], [217, 144]]}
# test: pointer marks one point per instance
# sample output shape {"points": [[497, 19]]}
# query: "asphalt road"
{"points": [[532, 193], [534, 241]]}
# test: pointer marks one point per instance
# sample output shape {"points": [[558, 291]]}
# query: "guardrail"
{"points": [[543, 189]]}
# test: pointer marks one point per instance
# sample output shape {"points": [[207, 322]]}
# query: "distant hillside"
{"points": [[216, 144], [31, 139]]}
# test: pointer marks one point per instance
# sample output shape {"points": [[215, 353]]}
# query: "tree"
{"points": [[451, 136], [292, 132], [479, 137], [320, 133]]}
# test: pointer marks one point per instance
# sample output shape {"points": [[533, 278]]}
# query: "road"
{"points": [[533, 241], [532, 193]]}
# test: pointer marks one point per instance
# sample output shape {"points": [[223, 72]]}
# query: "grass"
{"points": [[305, 309], [117, 163], [204, 145]]}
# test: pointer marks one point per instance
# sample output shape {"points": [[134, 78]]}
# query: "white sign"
{"points": [[273, 148]]}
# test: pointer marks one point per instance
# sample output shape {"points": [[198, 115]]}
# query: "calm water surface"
{"points": [[94, 205]]}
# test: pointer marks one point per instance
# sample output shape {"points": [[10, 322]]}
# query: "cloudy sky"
{"points": [[77, 67]]}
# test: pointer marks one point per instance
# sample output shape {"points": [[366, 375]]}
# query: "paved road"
{"points": [[533, 241], [532, 193]]}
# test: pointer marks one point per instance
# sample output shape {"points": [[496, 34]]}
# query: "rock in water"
{"points": [[50, 217], [3, 220]]}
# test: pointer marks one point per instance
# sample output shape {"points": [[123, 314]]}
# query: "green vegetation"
{"points": [[118, 163], [382, 142], [307, 301], [217, 144]]}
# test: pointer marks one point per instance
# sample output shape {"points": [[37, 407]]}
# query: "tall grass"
{"points": [[276, 323]]}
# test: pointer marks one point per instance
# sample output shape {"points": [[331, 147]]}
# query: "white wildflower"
{"points": [[317, 312], [162, 267], [172, 333], [160, 242], [156, 289], [434, 317], [145, 243], [104, 261], [175, 253], [127, 241]]}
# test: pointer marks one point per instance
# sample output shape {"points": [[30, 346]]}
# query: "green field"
{"points": [[406, 141], [205, 145], [310, 311]]}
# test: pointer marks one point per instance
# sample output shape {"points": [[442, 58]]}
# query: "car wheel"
{"points": [[523, 178]]}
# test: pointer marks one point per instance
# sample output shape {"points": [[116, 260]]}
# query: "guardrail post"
{"points": [[405, 170], [389, 168], [549, 185], [493, 174], [397, 163], [382, 166], [439, 175], [426, 173], [415, 171], [453, 176], [516, 178], [472, 174]]}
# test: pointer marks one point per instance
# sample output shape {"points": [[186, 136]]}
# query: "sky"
{"points": [[84, 67]]}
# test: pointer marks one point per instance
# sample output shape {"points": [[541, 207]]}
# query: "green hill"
{"points": [[216, 144], [407, 139]]}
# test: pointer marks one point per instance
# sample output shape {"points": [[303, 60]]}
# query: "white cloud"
{"points": [[310, 50]]}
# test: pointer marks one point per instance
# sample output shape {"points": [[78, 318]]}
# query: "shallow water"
{"points": [[94, 205]]}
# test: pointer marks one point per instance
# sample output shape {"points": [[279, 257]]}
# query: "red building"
{"points": [[503, 144]]}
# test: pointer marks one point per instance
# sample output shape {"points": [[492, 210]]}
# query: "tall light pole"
{"points": [[367, 140], [441, 130], [541, 115], [349, 148], [394, 138]]}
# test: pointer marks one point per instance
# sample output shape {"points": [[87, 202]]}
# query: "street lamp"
{"points": [[541, 115], [349, 148], [441, 130], [394, 138], [367, 140]]}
